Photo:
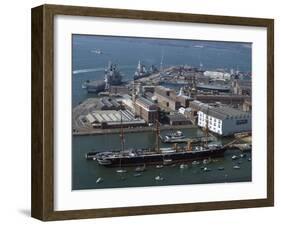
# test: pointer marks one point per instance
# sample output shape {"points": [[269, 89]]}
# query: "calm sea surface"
{"points": [[88, 65]]}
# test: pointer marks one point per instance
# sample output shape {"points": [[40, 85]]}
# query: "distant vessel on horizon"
{"points": [[97, 51], [198, 46]]}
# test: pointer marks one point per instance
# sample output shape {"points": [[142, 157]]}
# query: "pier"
{"points": [[245, 143]]}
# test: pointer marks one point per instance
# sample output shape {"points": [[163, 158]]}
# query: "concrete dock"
{"points": [[129, 130]]}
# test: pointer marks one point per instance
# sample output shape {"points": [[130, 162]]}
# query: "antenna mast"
{"points": [[134, 98], [157, 135], [161, 63], [122, 133], [207, 125]]}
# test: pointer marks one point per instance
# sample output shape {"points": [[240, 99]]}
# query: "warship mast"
{"points": [[206, 130], [120, 170], [157, 136], [122, 132], [161, 64]]}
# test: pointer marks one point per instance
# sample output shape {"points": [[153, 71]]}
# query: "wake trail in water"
{"points": [[82, 71]]}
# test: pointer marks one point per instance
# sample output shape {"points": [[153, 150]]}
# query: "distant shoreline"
{"points": [[130, 130]]}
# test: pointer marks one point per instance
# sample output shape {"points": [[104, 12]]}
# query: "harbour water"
{"points": [[88, 65], [85, 173]]}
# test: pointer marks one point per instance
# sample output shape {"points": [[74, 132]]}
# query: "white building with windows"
{"points": [[224, 120]]}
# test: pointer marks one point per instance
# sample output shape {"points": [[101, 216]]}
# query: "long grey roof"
{"points": [[177, 117], [223, 112], [145, 101]]}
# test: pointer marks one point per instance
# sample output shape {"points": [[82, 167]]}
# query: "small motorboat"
{"points": [[140, 168], [206, 169], [177, 135], [206, 161], [96, 51], [167, 161], [220, 168], [195, 162], [234, 157], [242, 155], [183, 166], [236, 167], [174, 137], [99, 180], [121, 171], [159, 166], [159, 178]]}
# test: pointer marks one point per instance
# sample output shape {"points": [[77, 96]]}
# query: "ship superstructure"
{"points": [[142, 72], [112, 77]]}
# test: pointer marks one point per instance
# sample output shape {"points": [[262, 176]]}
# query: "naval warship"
{"points": [[112, 76], [142, 72]]}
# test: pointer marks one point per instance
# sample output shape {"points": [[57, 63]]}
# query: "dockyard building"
{"points": [[169, 99], [113, 119], [231, 99], [108, 103], [224, 120], [146, 109], [175, 118]]}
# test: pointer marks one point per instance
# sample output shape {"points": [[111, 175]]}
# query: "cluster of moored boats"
{"points": [[203, 165]]}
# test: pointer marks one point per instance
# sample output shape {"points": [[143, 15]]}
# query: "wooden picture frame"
{"points": [[42, 204]]}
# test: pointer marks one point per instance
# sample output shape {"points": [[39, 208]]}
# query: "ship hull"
{"points": [[141, 76], [161, 158], [94, 87]]}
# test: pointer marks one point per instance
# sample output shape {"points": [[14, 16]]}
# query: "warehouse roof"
{"points": [[177, 117], [224, 112], [146, 103]]}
